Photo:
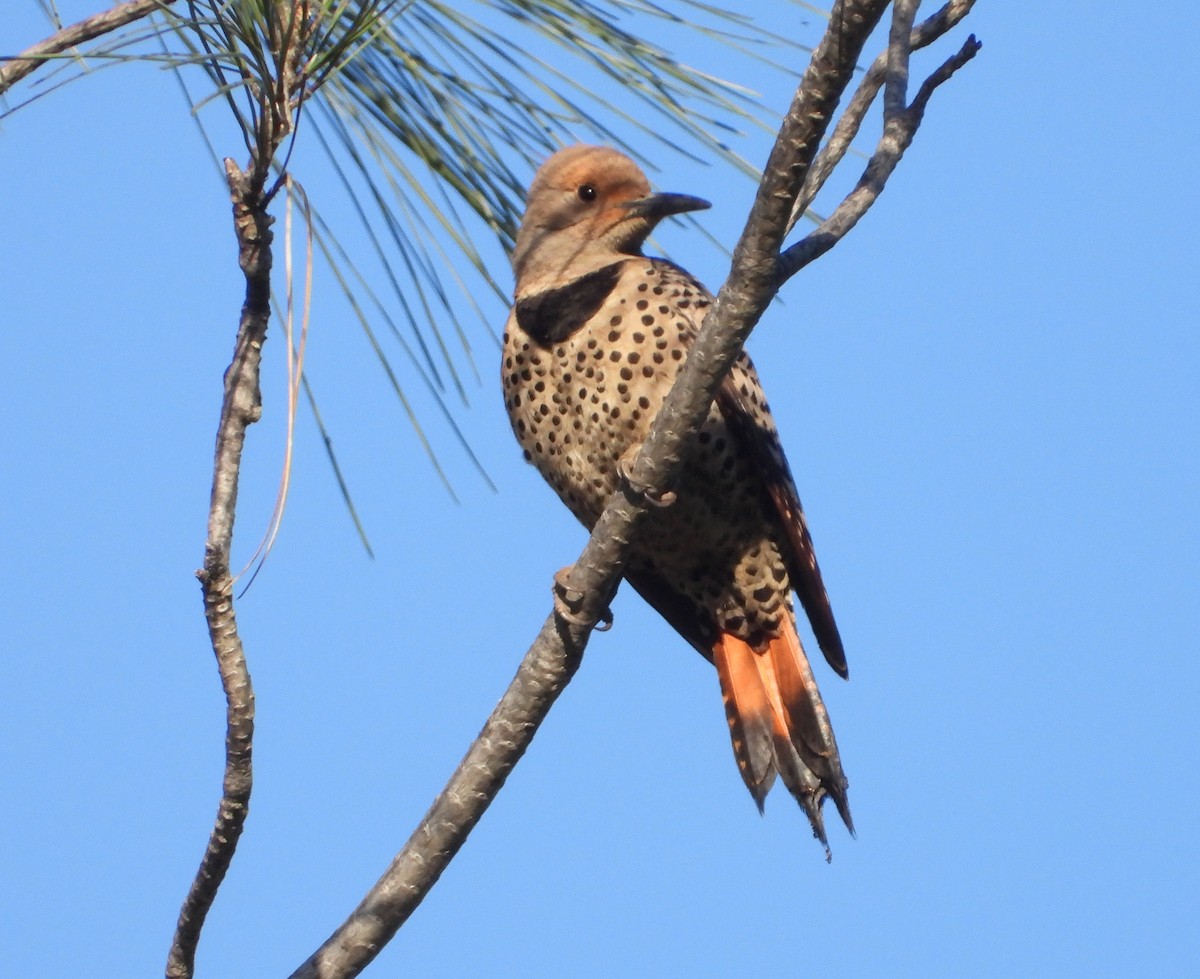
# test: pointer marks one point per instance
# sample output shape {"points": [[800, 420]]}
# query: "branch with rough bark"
{"points": [[278, 99], [848, 125], [756, 274], [901, 120], [88, 29], [240, 408]]}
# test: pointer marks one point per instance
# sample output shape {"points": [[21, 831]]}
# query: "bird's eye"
{"points": [[587, 193]]}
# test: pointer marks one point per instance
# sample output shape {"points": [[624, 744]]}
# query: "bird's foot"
{"points": [[568, 601], [652, 496]]}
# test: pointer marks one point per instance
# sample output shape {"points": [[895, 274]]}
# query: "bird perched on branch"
{"points": [[595, 339]]}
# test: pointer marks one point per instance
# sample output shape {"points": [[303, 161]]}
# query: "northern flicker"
{"points": [[594, 341]]}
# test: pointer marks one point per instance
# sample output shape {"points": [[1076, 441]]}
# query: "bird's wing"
{"points": [[744, 407]]}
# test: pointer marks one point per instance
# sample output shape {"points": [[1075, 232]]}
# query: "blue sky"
{"points": [[989, 393]]}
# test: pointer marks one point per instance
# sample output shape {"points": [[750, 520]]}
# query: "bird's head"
{"points": [[587, 207]]}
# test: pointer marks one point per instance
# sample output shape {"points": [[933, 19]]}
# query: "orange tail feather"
{"points": [[751, 716], [779, 725]]}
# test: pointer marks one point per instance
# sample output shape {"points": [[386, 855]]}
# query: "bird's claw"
{"points": [[567, 601], [652, 496]]}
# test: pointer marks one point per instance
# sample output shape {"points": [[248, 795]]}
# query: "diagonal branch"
{"points": [[556, 653], [85, 30]]}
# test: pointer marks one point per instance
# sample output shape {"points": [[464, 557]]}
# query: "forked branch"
{"points": [[900, 124], [556, 652], [851, 120]]}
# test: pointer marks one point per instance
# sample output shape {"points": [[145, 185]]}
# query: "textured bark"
{"points": [[240, 408], [278, 90], [848, 125], [590, 584], [900, 123], [544, 673], [29, 60]]}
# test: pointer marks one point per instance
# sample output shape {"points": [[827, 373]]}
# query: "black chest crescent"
{"points": [[552, 316]]}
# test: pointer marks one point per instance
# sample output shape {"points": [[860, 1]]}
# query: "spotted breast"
{"points": [[596, 337]]}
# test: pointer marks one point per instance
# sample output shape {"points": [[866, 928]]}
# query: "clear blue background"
{"points": [[989, 394]]}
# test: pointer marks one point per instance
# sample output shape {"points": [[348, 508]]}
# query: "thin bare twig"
{"points": [[898, 132], [895, 95], [88, 29], [848, 125], [556, 653]]}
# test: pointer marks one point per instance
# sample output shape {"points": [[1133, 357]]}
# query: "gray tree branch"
{"points": [[240, 408], [592, 581], [88, 29], [895, 94], [850, 122], [278, 96], [899, 128]]}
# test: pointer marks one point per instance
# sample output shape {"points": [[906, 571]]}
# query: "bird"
{"points": [[596, 336]]}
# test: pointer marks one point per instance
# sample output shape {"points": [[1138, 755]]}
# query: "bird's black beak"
{"points": [[658, 206]]}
